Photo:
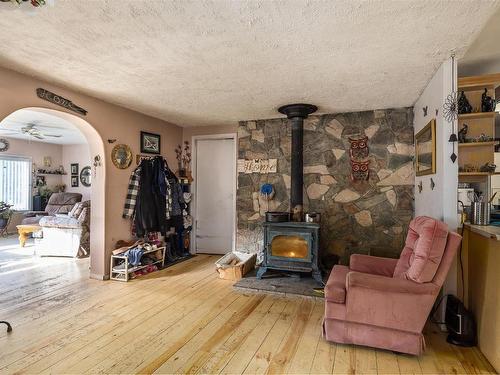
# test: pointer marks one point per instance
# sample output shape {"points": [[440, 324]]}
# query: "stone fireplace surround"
{"points": [[364, 216]]}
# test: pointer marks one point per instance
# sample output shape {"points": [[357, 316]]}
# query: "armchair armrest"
{"points": [[388, 284], [389, 302], [372, 265], [35, 213]]}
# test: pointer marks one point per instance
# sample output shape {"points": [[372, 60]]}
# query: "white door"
{"points": [[215, 193]]}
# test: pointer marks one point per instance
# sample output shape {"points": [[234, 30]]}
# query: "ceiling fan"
{"points": [[32, 130]]}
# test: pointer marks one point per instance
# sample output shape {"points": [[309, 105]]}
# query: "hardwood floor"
{"points": [[184, 320]]}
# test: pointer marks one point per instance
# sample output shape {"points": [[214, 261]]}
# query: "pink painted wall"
{"points": [[188, 133], [107, 121], [76, 154], [37, 151]]}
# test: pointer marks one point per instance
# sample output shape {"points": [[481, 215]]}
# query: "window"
{"points": [[15, 182]]}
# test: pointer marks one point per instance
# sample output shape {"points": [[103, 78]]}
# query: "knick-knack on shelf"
{"points": [[463, 133], [463, 104], [487, 102]]}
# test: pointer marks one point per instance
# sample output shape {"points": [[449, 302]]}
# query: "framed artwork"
{"points": [[40, 181], [150, 143], [425, 150], [74, 168], [74, 181]]}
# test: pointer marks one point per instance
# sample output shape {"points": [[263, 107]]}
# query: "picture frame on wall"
{"points": [[40, 181], [150, 143], [74, 181], [74, 169]]}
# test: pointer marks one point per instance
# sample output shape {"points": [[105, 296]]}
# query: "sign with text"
{"points": [[257, 165]]}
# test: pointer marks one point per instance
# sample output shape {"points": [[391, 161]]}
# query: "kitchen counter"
{"points": [[481, 261], [489, 231]]}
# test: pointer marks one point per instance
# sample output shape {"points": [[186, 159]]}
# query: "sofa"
{"points": [[59, 203], [66, 235], [384, 303]]}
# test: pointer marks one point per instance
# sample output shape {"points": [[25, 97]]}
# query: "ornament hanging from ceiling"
{"points": [[450, 110]]}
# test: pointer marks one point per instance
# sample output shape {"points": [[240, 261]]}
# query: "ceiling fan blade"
{"points": [[38, 136], [52, 135]]}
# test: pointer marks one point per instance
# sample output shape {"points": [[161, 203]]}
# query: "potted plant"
{"points": [[5, 214]]}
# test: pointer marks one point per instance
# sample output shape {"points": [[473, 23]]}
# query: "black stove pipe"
{"points": [[297, 113]]}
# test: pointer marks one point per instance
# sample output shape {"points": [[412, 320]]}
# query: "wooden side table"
{"points": [[24, 230]]}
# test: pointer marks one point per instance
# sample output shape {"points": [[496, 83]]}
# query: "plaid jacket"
{"points": [[133, 190]]}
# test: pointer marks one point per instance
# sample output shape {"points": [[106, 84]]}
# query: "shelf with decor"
{"points": [[477, 124], [51, 174], [478, 144], [476, 115]]}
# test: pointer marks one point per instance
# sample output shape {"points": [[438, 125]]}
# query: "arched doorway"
{"points": [[97, 196]]}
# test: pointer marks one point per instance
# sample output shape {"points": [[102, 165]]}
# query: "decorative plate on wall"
{"points": [[4, 144], [121, 156]]}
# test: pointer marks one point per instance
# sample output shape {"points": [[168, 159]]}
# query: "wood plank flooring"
{"points": [[184, 320]]}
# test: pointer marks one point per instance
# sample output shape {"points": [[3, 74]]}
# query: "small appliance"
{"points": [[460, 323]]}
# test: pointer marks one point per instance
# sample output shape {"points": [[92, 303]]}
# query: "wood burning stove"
{"points": [[291, 246], [294, 245]]}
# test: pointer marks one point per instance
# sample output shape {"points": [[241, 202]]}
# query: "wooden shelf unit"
{"points": [[477, 153]]}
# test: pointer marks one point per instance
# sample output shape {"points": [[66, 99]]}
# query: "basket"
{"points": [[233, 266]]}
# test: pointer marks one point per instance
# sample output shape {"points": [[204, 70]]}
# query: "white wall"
{"points": [[76, 154], [440, 203]]}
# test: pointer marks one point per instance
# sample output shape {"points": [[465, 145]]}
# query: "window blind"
{"points": [[15, 181]]}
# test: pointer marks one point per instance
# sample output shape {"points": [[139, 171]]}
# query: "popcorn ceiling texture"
{"points": [[217, 62], [362, 216]]}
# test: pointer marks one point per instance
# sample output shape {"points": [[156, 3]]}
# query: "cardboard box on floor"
{"points": [[233, 266]]}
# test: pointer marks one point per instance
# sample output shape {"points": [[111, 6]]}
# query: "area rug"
{"points": [[280, 283]]}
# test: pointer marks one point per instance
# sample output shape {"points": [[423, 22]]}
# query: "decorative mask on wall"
{"points": [[360, 170]]}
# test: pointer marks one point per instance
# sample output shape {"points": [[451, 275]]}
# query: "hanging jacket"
{"points": [[177, 197], [150, 215], [132, 191]]}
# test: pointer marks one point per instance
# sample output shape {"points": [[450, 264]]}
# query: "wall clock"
{"points": [[4, 144]]}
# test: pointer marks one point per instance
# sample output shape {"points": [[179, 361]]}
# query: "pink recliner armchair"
{"points": [[384, 303]]}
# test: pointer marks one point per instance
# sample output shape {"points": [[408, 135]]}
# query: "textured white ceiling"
{"points": [[216, 62], [11, 126], [483, 55]]}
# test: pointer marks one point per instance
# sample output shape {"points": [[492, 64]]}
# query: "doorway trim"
{"points": [[98, 193], [194, 143]]}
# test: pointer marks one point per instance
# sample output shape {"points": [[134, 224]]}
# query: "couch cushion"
{"points": [[423, 250], [335, 286], [62, 203]]}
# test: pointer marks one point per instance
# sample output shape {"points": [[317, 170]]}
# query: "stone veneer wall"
{"points": [[367, 216]]}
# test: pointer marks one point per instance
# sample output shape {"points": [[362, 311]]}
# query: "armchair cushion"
{"points": [[372, 265], [335, 287], [423, 250], [59, 222]]}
